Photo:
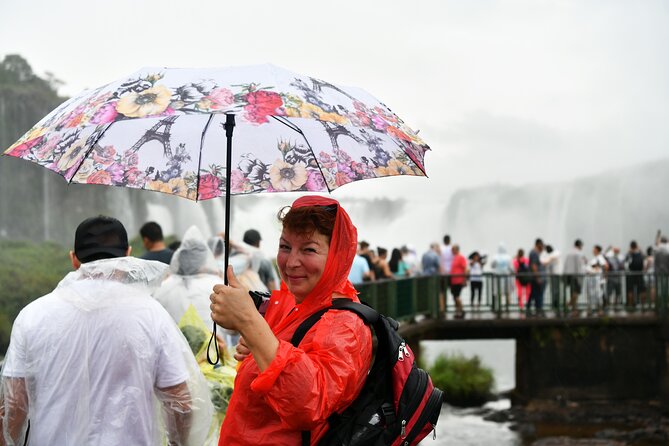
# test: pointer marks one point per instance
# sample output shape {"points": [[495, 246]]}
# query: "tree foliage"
{"points": [[24, 98], [35, 203], [28, 270]]}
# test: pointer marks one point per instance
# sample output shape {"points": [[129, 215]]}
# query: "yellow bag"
{"points": [[220, 377]]}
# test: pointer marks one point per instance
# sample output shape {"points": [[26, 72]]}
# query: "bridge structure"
{"points": [[588, 345]]}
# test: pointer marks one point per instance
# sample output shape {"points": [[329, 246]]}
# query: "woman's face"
{"points": [[301, 261]]}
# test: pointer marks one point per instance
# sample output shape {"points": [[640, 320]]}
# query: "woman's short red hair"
{"points": [[306, 220]]}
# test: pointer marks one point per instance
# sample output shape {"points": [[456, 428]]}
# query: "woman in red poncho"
{"points": [[281, 390]]}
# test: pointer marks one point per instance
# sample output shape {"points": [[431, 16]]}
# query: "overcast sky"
{"points": [[503, 91]]}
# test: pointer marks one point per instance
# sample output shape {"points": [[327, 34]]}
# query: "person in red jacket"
{"points": [[281, 390], [459, 272]]}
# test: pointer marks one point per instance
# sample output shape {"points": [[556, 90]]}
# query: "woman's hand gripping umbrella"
{"points": [[232, 308]]}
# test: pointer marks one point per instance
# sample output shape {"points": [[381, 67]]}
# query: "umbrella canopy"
{"points": [[163, 129]]}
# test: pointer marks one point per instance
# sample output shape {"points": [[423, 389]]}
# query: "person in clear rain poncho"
{"points": [[98, 361], [193, 274], [245, 262]]}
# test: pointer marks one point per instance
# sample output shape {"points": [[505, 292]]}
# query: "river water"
{"points": [[465, 427]]}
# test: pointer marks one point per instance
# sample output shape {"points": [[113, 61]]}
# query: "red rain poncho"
{"points": [[303, 386]]}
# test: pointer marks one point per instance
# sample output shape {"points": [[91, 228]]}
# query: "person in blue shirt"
{"points": [[359, 270]]}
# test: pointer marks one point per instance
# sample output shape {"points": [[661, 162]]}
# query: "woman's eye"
{"points": [[310, 249], [284, 247]]}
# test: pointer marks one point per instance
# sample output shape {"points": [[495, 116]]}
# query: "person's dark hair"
{"points": [[394, 262], [649, 251], [364, 245], [381, 251], [578, 243], [598, 248], [174, 245], [252, 237], [634, 245], [663, 239], [152, 231], [520, 253], [309, 219], [99, 238], [447, 240], [549, 249], [538, 242]]}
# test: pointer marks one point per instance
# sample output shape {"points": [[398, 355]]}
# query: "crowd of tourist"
{"points": [[606, 279]]}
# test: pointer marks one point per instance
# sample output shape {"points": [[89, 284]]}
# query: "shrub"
{"points": [[465, 381], [27, 271]]}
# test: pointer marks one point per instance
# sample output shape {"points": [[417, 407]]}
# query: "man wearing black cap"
{"points": [[266, 270], [87, 362]]}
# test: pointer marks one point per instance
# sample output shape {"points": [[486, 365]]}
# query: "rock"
{"points": [[635, 422], [498, 417], [566, 441], [526, 429]]}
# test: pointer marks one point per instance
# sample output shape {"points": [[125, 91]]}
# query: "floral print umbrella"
{"points": [[162, 129]]}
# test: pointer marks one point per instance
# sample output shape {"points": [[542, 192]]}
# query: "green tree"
{"points": [[27, 271]]}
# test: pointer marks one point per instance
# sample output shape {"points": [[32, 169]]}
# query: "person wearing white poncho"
{"points": [[98, 361], [194, 271], [193, 274]]}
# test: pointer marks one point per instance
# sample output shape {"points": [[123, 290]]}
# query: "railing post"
{"points": [[662, 294], [434, 287], [414, 296], [497, 296]]}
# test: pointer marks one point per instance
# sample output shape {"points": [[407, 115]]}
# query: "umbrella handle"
{"points": [[229, 127]]}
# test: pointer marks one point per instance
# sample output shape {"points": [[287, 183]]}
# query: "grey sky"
{"points": [[503, 91]]}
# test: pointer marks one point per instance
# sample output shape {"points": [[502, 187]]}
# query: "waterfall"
{"points": [[614, 208]]}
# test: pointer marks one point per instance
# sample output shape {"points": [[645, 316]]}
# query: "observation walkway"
{"points": [[608, 341]]}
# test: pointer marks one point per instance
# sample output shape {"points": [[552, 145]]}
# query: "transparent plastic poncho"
{"points": [[193, 273], [98, 361]]}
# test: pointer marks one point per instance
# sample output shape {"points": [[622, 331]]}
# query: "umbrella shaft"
{"points": [[229, 126]]}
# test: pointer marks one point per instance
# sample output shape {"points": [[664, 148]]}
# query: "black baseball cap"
{"points": [[100, 238], [252, 237]]}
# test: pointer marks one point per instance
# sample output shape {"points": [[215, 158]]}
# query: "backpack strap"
{"points": [[366, 313], [369, 315], [306, 325]]}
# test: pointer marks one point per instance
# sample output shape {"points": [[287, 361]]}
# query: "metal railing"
{"points": [[504, 295]]}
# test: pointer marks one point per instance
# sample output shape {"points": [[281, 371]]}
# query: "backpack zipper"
{"points": [[403, 351], [415, 402], [435, 398]]}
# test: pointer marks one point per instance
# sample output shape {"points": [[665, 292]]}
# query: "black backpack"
{"points": [[398, 403], [636, 261]]}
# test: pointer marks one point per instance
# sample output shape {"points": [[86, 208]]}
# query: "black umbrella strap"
{"points": [[215, 341]]}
